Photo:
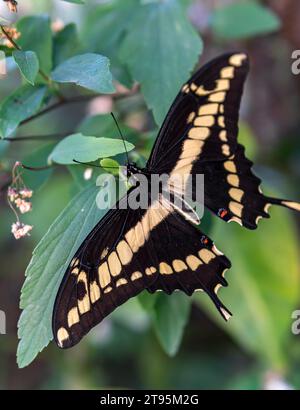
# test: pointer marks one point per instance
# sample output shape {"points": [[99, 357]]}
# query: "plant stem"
{"points": [[38, 137], [12, 41], [78, 99], [36, 168]]}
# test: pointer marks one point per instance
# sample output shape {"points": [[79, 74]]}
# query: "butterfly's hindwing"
{"points": [[233, 192], [189, 261], [145, 249]]}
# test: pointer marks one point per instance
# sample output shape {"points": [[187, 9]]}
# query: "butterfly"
{"points": [[160, 248]]}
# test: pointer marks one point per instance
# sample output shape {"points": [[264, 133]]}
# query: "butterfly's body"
{"points": [[134, 174], [159, 247], [132, 169]]}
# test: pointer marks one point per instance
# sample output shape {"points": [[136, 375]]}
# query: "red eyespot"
{"points": [[204, 240], [222, 213]]}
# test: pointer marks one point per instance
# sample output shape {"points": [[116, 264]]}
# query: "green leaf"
{"points": [[103, 125], [21, 104], [99, 125], [110, 165], [89, 70], [263, 285], [45, 271], [161, 50], [109, 22], [147, 300], [28, 64], [86, 149], [78, 177], [247, 138], [65, 44], [243, 19], [36, 36], [170, 315]]}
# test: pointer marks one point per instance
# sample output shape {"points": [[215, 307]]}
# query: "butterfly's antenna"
{"points": [[93, 165], [120, 132]]}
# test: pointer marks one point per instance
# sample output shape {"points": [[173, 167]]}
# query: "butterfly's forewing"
{"points": [[127, 252], [108, 269], [202, 122], [199, 136]]}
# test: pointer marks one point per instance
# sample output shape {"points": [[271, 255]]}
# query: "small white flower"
{"points": [[20, 230], [26, 193], [23, 205], [12, 194]]}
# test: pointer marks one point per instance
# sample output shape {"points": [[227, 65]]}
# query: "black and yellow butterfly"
{"points": [[159, 248]]}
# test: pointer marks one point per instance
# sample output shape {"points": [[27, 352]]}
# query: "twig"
{"points": [[10, 38], [72, 100], [54, 106], [43, 168], [38, 137]]}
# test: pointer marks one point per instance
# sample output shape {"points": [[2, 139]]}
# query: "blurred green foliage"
{"points": [[243, 20], [152, 43]]}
